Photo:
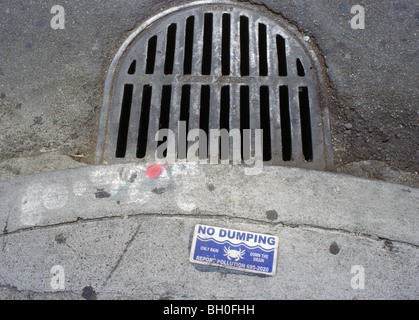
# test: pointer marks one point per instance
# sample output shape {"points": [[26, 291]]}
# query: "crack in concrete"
{"points": [[13, 291], [5, 231], [210, 216], [28, 294], [4, 246], [137, 231]]}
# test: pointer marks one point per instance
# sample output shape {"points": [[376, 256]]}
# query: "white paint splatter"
{"points": [[80, 188], [137, 195], [39, 198], [32, 208], [105, 178], [55, 196], [185, 205]]}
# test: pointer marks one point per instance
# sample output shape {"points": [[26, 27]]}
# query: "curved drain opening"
{"points": [[244, 46], [300, 69], [282, 56], [144, 122], [285, 124], [305, 124], [210, 66], [151, 55], [121, 145]]}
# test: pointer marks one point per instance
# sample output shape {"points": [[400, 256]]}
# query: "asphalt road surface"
{"points": [[51, 80]]}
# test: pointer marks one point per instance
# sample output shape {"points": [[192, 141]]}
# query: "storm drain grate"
{"points": [[215, 65]]}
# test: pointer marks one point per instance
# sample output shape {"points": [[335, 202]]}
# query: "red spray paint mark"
{"points": [[154, 171]]}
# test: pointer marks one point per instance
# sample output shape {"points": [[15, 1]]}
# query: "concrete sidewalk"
{"points": [[114, 232]]}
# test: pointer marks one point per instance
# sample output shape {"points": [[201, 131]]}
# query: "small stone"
{"points": [[38, 120], [60, 238], [272, 215], [158, 190], [334, 248], [89, 293], [348, 126]]}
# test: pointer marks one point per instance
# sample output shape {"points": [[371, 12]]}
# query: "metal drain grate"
{"points": [[215, 65]]}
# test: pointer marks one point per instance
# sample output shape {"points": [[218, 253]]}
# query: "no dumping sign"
{"points": [[234, 249]]}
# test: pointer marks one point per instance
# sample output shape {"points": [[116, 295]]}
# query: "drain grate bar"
{"points": [[217, 47], [244, 119], [144, 122], [254, 111], [217, 70], [154, 118], [234, 118], [179, 57], [134, 122], [198, 41], [185, 104], [212, 79], [194, 115], [215, 117], [272, 52], [160, 53], [265, 120], [276, 139], [204, 113], [175, 108], [151, 55], [165, 110], [253, 48], [295, 124]]}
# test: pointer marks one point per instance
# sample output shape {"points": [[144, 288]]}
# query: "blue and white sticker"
{"points": [[234, 249]]}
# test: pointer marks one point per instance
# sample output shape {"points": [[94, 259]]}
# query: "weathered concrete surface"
{"points": [[114, 229], [50, 161]]}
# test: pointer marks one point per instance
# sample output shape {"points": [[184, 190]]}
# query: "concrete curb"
{"points": [[115, 229]]}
